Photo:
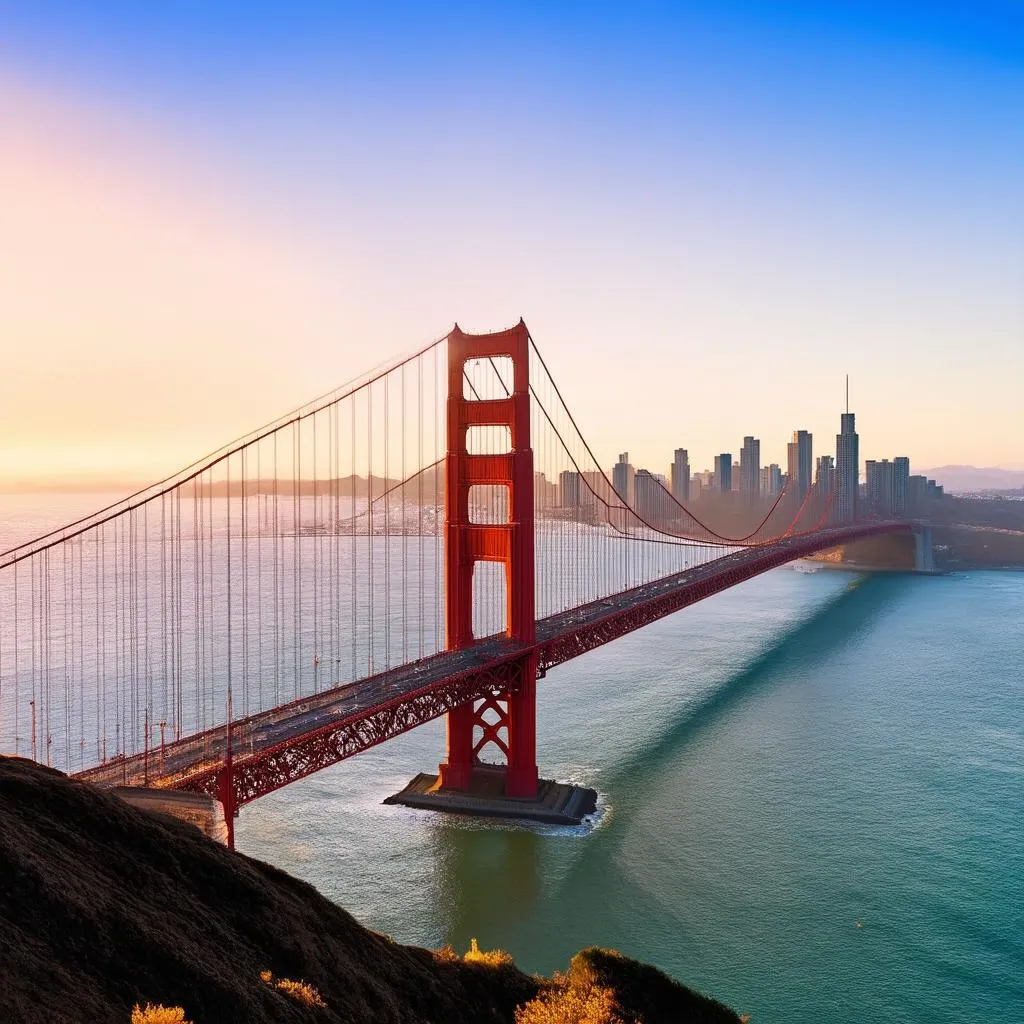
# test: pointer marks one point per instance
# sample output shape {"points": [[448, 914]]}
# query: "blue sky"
{"points": [[707, 214]]}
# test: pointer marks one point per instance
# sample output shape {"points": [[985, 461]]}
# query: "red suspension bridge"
{"points": [[427, 541]]}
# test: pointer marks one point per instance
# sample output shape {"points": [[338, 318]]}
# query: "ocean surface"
{"points": [[811, 806]]}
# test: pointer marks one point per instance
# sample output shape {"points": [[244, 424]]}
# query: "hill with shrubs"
{"points": [[111, 914]]}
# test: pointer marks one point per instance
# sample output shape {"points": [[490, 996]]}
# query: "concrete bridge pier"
{"points": [[924, 556]]}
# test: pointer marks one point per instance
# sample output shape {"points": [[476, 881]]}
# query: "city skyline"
{"points": [[186, 191], [886, 487], [803, 466]]}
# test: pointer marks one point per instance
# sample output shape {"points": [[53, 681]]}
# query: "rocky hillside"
{"points": [[103, 906]]}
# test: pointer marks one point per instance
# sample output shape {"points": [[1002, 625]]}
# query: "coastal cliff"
{"points": [[104, 907]]}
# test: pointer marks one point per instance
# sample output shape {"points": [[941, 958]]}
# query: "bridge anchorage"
{"points": [[426, 542]]}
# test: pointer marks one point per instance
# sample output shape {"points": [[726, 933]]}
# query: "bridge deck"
{"points": [[274, 747]]}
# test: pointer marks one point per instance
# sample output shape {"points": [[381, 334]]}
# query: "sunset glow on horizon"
{"points": [[705, 220]]}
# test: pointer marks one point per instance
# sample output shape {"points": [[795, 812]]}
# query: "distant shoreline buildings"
{"points": [[888, 490]]}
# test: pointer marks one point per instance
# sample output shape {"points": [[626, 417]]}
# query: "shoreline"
{"points": [[944, 571]]}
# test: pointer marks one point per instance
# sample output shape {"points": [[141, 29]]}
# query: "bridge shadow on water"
{"points": [[489, 880], [491, 877], [831, 626]]}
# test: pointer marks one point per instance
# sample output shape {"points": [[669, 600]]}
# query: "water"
{"points": [[804, 753], [148, 618]]}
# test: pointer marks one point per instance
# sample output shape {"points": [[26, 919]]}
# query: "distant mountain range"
{"points": [[972, 478]]}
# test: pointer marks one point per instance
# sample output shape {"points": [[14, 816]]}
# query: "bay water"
{"points": [[811, 806]]}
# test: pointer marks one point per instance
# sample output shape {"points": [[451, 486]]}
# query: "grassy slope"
{"points": [[103, 906]]}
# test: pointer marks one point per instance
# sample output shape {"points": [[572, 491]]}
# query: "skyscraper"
{"points": [[900, 485], [545, 492], [750, 469], [879, 477], [771, 481], [569, 488], [622, 478], [723, 472], [825, 475], [800, 463], [648, 497], [681, 475], [888, 486], [921, 492], [844, 507]]}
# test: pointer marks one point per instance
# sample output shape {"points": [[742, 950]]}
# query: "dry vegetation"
{"points": [[104, 907], [604, 987], [300, 991], [571, 999], [150, 1014], [491, 958]]}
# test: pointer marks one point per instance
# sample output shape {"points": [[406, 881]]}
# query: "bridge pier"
{"points": [[924, 554], [513, 731], [226, 796], [521, 776]]}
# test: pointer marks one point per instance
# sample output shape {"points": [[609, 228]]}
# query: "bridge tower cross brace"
{"points": [[511, 544]]}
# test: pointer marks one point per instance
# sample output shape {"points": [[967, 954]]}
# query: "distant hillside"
{"points": [[960, 479], [103, 906]]}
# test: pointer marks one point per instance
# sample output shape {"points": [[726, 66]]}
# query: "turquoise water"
{"points": [[802, 754]]}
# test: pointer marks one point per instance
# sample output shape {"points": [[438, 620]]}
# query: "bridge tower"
{"points": [[510, 543]]}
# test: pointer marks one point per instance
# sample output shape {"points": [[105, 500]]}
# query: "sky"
{"points": [[707, 214]]}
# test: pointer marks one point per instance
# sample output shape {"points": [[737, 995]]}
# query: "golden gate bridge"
{"points": [[429, 540]]}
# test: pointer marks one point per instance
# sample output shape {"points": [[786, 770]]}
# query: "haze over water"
{"points": [[802, 754]]}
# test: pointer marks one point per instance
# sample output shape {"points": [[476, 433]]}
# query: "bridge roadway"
{"points": [[193, 762]]}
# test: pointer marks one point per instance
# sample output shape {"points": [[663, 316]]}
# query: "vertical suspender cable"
{"points": [[369, 523], [245, 581], [316, 566], [387, 530], [354, 566], [296, 554], [405, 536]]}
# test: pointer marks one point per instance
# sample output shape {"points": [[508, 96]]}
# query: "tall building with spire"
{"points": [[844, 507]]}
